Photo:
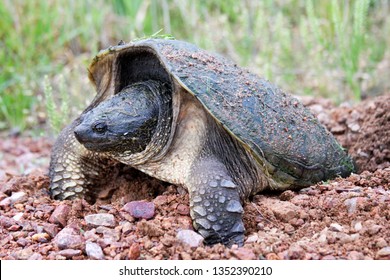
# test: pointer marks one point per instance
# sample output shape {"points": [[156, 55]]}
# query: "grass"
{"points": [[56, 115], [334, 49]]}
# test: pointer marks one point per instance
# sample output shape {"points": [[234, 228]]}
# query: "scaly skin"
{"points": [[76, 172]]}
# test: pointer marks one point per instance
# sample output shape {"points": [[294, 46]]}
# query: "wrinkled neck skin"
{"points": [[163, 134]]}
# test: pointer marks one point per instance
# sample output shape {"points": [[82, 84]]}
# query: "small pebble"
{"points": [[101, 229], [35, 257], [69, 253], [112, 235], [60, 257], [354, 127], [351, 205], [244, 254], [335, 227], [15, 197], [94, 251], [41, 237], [289, 229], [18, 216], [272, 256], [18, 197], [23, 242], [374, 229], [322, 238], [51, 229], [296, 252], [6, 240], [6, 222], [140, 209], [287, 195], [297, 222], [19, 207], [384, 252], [354, 255], [381, 242], [344, 238], [106, 207], [69, 238], [358, 226], [185, 256], [127, 228], [183, 209], [101, 219], [91, 235], [328, 257], [23, 254], [134, 252], [161, 200], [14, 227], [338, 129], [252, 238], [60, 215], [189, 237]]}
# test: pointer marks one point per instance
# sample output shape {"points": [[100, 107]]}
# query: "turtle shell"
{"points": [[286, 139]]}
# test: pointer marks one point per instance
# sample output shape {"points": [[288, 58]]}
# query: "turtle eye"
{"points": [[99, 127]]}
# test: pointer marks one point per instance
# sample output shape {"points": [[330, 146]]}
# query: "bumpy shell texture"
{"points": [[281, 133]]}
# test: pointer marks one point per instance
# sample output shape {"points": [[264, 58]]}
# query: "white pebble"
{"points": [[17, 196], [94, 251], [335, 227], [101, 219], [18, 216], [189, 237]]}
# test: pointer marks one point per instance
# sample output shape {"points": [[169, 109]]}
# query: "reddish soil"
{"points": [[340, 219]]}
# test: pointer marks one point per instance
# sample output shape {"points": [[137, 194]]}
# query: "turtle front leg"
{"points": [[215, 204], [74, 171]]}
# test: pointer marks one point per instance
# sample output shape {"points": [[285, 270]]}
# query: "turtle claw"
{"points": [[235, 238]]}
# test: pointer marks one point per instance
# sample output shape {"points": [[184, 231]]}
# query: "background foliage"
{"points": [[335, 49]]}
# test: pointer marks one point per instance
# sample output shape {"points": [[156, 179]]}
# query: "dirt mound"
{"points": [[340, 219], [364, 130]]}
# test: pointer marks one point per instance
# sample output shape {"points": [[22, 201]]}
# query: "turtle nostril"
{"points": [[77, 134], [99, 127], [80, 133]]}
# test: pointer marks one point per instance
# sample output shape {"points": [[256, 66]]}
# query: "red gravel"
{"points": [[340, 219]]}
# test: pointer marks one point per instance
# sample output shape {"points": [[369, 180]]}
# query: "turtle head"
{"points": [[125, 123]]}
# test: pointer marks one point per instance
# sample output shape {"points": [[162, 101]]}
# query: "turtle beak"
{"points": [[93, 137], [91, 133], [81, 132]]}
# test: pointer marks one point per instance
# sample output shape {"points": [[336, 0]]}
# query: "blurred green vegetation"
{"points": [[334, 49]]}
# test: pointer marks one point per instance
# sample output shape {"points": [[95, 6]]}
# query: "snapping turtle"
{"points": [[195, 119]]}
